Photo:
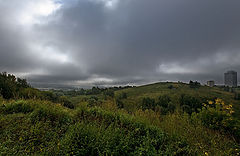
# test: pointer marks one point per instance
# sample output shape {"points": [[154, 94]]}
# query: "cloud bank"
{"points": [[113, 42]]}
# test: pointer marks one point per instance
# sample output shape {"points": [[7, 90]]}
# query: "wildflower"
{"points": [[206, 153], [218, 101], [210, 102]]}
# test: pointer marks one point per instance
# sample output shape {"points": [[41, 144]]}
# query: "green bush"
{"points": [[50, 114], [123, 95], [189, 103], [218, 116], [17, 107], [65, 102], [165, 105], [116, 134], [194, 84], [119, 103], [148, 103], [108, 93]]}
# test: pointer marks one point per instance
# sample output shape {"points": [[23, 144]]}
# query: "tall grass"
{"points": [[201, 139]]}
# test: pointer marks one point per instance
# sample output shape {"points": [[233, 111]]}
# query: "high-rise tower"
{"points": [[230, 78]]}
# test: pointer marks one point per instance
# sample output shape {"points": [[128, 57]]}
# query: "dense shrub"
{"points": [[123, 95], [119, 103], [17, 107], [65, 102], [56, 116], [190, 104], [10, 85], [108, 93], [165, 105], [237, 96], [107, 133], [218, 116], [194, 84], [170, 87], [148, 103]]}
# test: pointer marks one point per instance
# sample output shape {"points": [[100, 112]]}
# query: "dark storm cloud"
{"points": [[136, 41], [12, 44]]}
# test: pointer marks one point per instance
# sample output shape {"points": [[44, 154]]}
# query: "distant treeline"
{"points": [[92, 91]]}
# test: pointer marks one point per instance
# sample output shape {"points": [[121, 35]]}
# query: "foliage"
{"points": [[148, 103], [201, 139], [190, 104], [145, 120], [218, 116], [53, 115], [51, 130], [94, 101], [119, 103], [65, 102], [123, 95], [16, 107], [194, 84], [236, 96], [133, 137], [170, 87], [108, 93], [10, 85], [163, 104]]}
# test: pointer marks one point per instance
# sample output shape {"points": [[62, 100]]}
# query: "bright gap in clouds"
{"points": [[174, 68], [50, 54], [35, 9], [110, 4]]}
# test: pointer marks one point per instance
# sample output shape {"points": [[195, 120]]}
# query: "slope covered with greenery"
{"points": [[156, 119]]}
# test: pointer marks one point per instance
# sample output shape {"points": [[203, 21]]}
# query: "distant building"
{"points": [[230, 78], [210, 83]]}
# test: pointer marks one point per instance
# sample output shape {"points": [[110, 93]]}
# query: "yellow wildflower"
{"points": [[210, 102]]}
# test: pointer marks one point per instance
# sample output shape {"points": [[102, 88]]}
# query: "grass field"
{"points": [[97, 126]]}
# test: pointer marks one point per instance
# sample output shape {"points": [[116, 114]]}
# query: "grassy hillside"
{"points": [[41, 127], [174, 91], [146, 120]]}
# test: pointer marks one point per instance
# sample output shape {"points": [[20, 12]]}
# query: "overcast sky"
{"points": [[117, 42]]}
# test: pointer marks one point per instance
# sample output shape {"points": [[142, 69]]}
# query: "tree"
{"points": [[194, 84], [148, 103], [190, 103], [163, 101], [109, 93]]}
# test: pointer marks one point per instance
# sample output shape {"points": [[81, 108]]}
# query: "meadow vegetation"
{"points": [[157, 119]]}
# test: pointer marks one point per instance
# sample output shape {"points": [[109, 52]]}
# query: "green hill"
{"points": [[174, 91]]}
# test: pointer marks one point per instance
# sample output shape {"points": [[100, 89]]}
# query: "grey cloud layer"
{"points": [[136, 41]]}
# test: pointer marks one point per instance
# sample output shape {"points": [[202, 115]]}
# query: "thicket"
{"points": [[50, 129], [12, 87], [217, 115], [194, 84], [163, 104]]}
